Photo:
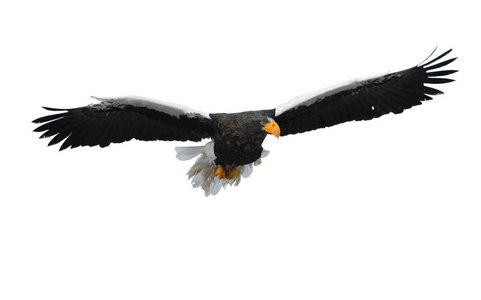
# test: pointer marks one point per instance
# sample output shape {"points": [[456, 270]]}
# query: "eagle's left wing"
{"points": [[362, 99]]}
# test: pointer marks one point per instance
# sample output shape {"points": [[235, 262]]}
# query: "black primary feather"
{"points": [[367, 99], [111, 122]]}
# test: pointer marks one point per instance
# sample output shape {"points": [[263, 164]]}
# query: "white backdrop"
{"points": [[386, 209]]}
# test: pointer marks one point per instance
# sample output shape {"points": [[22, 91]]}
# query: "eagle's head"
{"points": [[271, 127]]}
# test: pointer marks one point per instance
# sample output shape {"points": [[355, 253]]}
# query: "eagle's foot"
{"points": [[231, 173], [221, 173]]}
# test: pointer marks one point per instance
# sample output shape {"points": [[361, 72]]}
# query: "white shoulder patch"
{"points": [[311, 97], [172, 109]]}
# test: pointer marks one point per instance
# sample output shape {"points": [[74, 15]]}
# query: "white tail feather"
{"points": [[202, 172], [186, 153], [247, 170]]}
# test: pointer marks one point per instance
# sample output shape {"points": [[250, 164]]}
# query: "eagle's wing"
{"points": [[362, 99], [116, 120]]}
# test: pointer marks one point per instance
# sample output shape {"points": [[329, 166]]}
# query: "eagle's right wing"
{"points": [[116, 120]]}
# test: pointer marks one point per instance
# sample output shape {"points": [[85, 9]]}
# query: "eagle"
{"points": [[235, 145]]}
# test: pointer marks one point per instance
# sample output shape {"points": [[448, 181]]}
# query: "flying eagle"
{"points": [[236, 138]]}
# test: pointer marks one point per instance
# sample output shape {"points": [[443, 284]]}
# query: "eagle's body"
{"points": [[237, 138]]}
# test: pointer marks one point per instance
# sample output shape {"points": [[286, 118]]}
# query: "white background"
{"points": [[386, 209]]}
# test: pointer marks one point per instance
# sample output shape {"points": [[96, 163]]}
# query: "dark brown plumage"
{"points": [[238, 137]]}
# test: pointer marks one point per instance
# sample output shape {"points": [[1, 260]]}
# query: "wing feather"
{"points": [[116, 120], [363, 99]]}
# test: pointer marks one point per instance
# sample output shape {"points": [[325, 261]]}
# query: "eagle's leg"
{"points": [[220, 172], [231, 173]]}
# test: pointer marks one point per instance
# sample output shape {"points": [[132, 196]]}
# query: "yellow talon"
{"points": [[220, 172], [231, 173]]}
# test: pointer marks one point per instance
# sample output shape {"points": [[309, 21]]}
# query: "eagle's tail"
{"points": [[202, 172]]}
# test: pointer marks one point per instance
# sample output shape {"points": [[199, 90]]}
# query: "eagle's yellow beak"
{"points": [[272, 128]]}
